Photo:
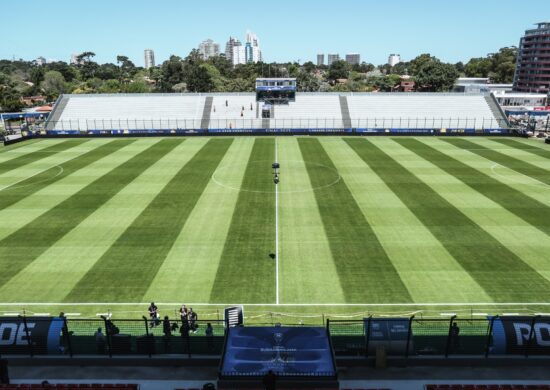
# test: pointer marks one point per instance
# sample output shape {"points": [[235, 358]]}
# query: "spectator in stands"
{"points": [[455, 331], [64, 334], [167, 330], [184, 331], [226, 103], [269, 380], [183, 312], [193, 320], [153, 313], [209, 332], [251, 107], [99, 341]]}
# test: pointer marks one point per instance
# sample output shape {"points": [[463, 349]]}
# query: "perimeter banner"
{"points": [[521, 335], [44, 334]]}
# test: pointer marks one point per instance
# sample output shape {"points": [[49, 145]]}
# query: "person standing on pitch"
{"points": [[153, 313]]}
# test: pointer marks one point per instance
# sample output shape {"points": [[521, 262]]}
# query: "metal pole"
{"points": [[489, 337], [449, 336], [530, 340], [108, 336], [148, 347], [409, 336], [367, 332], [27, 335], [67, 334]]}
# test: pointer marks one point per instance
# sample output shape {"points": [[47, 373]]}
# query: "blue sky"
{"points": [[289, 30]]}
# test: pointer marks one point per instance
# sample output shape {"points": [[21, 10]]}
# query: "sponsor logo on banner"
{"points": [[44, 334], [519, 335]]}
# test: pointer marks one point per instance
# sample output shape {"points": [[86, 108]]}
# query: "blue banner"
{"points": [[287, 351]]}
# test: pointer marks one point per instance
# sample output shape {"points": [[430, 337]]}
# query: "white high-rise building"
{"points": [[149, 56], [320, 59], [353, 58], [253, 52], [394, 59], [229, 46], [237, 53], [333, 58], [209, 48]]}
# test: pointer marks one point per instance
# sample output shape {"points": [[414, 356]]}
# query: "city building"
{"points": [[353, 58], [479, 85], [533, 61], [237, 53], [149, 56], [320, 59], [229, 49], [253, 52], [333, 58], [209, 48], [394, 59], [40, 61]]}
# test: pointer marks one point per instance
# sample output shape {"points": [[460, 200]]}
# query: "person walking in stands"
{"points": [[99, 341], [153, 312], [193, 320]]}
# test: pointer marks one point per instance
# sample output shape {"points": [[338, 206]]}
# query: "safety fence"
{"points": [[108, 337], [167, 125], [404, 336], [514, 335]]}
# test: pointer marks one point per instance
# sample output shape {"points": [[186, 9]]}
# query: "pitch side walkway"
{"points": [[413, 378]]}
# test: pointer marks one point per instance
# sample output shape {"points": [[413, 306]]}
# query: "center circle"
{"points": [[290, 182]]}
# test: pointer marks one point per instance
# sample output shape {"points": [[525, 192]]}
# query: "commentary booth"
{"points": [[276, 90]]}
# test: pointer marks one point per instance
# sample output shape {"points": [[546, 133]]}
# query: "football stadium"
{"points": [[378, 223], [108, 219]]}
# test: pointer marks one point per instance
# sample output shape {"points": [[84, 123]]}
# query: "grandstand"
{"points": [[344, 112]]}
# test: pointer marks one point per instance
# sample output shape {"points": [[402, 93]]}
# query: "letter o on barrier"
{"points": [[8, 332], [542, 334]]}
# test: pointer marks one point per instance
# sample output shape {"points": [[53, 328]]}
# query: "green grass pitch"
{"points": [[356, 225]]}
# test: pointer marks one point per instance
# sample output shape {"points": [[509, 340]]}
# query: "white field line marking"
{"points": [[276, 233], [480, 314], [41, 314], [447, 314], [10, 314], [435, 304], [72, 314], [60, 171]]}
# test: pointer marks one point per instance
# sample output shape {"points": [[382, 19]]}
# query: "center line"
{"points": [[276, 233]]}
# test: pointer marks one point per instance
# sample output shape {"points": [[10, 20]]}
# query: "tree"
{"points": [[53, 84], [338, 70], [137, 87], [200, 80], [127, 68], [171, 74], [306, 82], [436, 76]]}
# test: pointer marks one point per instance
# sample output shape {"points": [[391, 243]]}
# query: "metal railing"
{"points": [[224, 124], [454, 336], [108, 337]]}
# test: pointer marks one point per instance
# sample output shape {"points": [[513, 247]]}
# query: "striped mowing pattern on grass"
{"points": [[64, 264], [500, 272], [134, 259], [246, 272], [424, 265], [378, 221], [364, 269]]}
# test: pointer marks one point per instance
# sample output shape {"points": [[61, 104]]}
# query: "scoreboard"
{"points": [[276, 90]]}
